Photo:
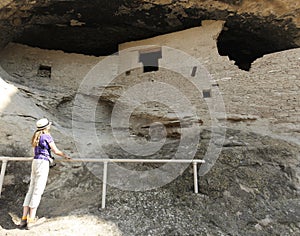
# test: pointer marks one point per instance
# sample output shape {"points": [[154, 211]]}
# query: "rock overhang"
{"points": [[97, 27]]}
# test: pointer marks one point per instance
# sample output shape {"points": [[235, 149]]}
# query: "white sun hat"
{"points": [[43, 123]]}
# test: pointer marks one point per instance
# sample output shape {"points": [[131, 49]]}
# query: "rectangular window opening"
{"points": [[150, 58], [206, 93], [194, 70], [44, 71]]}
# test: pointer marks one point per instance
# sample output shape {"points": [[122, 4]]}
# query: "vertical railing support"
{"points": [[195, 177], [3, 168], [104, 184]]}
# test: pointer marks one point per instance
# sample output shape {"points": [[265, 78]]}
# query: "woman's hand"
{"points": [[58, 152]]}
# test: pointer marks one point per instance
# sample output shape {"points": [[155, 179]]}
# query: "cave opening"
{"points": [[245, 42], [243, 47], [244, 38]]}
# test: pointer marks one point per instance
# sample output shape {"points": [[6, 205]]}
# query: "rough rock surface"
{"points": [[252, 189]]}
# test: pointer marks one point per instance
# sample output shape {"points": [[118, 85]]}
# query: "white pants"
{"points": [[38, 181]]}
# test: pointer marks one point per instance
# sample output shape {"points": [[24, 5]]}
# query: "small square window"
{"points": [[127, 72], [206, 93], [44, 71]]}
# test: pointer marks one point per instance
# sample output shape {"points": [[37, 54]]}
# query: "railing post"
{"points": [[104, 184], [195, 177], [3, 168]]}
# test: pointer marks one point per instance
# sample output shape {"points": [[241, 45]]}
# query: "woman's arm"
{"points": [[57, 151]]}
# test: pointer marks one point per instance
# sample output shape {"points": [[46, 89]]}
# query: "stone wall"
{"points": [[264, 100]]}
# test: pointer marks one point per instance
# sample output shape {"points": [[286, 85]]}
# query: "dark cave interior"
{"points": [[244, 43], [239, 44]]}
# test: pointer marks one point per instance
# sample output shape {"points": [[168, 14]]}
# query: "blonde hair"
{"points": [[36, 136]]}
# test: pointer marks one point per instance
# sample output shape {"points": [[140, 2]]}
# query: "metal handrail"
{"points": [[105, 169]]}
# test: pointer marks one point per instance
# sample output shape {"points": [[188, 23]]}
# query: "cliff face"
{"points": [[253, 187], [252, 28]]}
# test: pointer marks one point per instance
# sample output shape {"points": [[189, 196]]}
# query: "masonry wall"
{"points": [[264, 100]]}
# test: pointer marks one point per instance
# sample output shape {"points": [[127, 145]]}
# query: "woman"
{"points": [[42, 144]]}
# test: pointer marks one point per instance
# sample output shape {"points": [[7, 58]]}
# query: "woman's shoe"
{"points": [[35, 222], [23, 224]]}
